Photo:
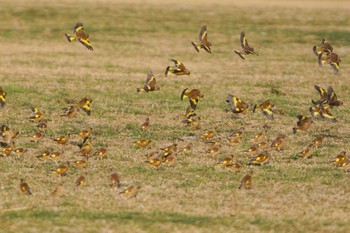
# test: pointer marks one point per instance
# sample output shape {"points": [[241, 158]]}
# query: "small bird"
{"points": [[303, 123], [178, 69], [324, 48], [156, 162], [145, 126], [233, 167], [85, 133], [193, 95], [2, 97], [80, 35], [203, 42], [55, 155], [6, 151], [209, 135], [169, 150], [237, 105], [37, 136], [278, 143], [187, 148], [246, 49], [332, 99], [62, 140], [170, 161], [42, 126], [226, 161], [317, 141], [214, 149], [340, 159], [37, 115], [323, 95], [150, 84], [114, 179], [82, 163], [44, 155], [130, 191], [70, 112], [326, 114], [306, 153], [101, 153], [19, 152], [260, 159], [247, 180], [85, 105], [62, 169], [265, 107], [81, 180], [58, 191], [142, 143], [259, 137], [85, 148], [330, 58], [24, 187]]}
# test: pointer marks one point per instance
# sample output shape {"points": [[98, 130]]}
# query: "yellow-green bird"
{"points": [[150, 84], [178, 69], [85, 104], [193, 95], [325, 47], [37, 115], [80, 35], [2, 97], [265, 107], [237, 105], [246, 49], [203, 42]]}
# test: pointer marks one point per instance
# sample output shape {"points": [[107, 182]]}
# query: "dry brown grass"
{"points": [[40, 68]]}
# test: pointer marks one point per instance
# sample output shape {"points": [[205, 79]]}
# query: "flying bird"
{"points": [[2, 97], [236, 104], [203, 42], [246, 49], [150, 84], [265, 107], [80, 35], [178, 69], [193, 95], [325, 47], [330, 58], [303, 123]]}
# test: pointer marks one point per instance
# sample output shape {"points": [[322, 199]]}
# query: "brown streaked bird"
{"points": [[340, 159], [81, 180], [178, 69], [24, 187], [260, 159], [325, 47], [317, 141], [150, 84], [193, 96], [85, 133], [85, 105], [265, 107], [142, 143], [70, 112], [62, 140], [246, 49], [58, 191], [278, 143], [80, 35], [247, 180], [2, 97], [37, 136], [101, 153], [130, 191], [332, 98], [145, 126], [306, 153], [81, 163], [209, 135], [236, 105], [114, 179], [62, 169], [303, 123], [156, 162], [330, 58], [37, 115], [203, 42]]}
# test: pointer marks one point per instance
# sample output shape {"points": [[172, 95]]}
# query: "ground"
{"points": [[40, 68]]}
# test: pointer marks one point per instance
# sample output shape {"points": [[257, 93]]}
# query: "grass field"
{"points": [[40, 68]]}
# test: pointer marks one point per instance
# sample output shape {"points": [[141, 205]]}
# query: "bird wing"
{"points": [[86, 43]]}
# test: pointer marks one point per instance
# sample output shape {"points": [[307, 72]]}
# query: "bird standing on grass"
{"points": [[247, 180], [24, 187], [130, 191]]}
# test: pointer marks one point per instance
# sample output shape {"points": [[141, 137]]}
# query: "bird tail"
{"points": [[239, 54], [69, 38], [196, 46], [167, 71]]}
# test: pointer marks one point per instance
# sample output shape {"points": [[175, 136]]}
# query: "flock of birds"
{"points": [[166, 156]]}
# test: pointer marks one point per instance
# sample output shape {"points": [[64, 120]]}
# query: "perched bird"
{"points": [[306, 153], [214, 149], [86, 148], [340, 159], [209, 135], [85, 133], [42, 126], [62, 169], [6, 151], [332, 99], [142, 143], [70, 112], [246, 49], [58, 191], [260, 159], [145, 126], [44, 155], [278, 143], [80, 35], [178, 69], [114, 179], [85, 105], [203, 42], [24, 187], [6, 136], [62, 140], [317, 141], [237, 105], [150, 84], [37, 136], [226, 161], [82, 163], [131, 191], [193, 95], [55, 155], [265, 107], [36, 115], [81, 180], [169, 150], [247, 180], [233, 167], [2, 97], [101, 153], [259, 137], [330, 58], [324, 48], [252, 150], [20, 151], [303, 123]]}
